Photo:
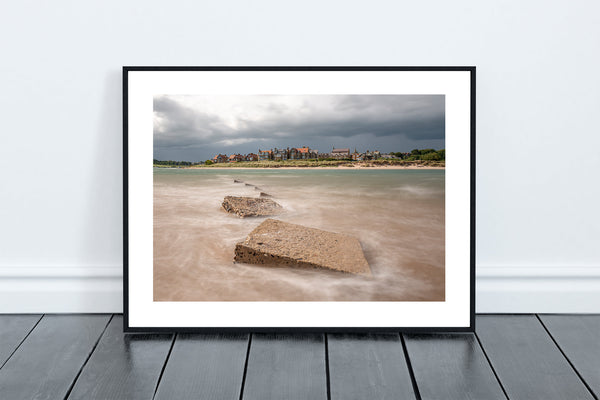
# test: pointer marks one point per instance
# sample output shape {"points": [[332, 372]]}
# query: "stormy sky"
{"points": [[195, 128]]}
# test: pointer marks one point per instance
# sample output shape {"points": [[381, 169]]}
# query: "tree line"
{"points": [[422, 154], [172, 163], [414, 155]]}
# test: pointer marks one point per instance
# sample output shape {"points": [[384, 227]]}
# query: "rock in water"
{"points": [[237, 181], [251, 206], [263, 194], [280, 243]]}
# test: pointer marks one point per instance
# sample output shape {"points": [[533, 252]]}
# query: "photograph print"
{"points": [[282, 197], [299, 198]]}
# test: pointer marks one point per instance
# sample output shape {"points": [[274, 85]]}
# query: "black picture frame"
{"points": [[128, 328]]}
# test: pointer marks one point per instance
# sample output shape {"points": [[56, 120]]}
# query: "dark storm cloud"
{"points": [[417, 129], [176, 125], [181, 123]]}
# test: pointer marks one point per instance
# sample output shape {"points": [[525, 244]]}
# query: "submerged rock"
{"points": [[237, 181], [278, 243], [251, 206], [247, 184], [263, 194]]}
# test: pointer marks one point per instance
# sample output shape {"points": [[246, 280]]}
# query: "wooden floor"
{"points": [[510, 356]]}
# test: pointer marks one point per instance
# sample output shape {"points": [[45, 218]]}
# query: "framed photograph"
{"points": [[299, 198]]}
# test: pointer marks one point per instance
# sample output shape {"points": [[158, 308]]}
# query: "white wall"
{"points": [[538, 97]]}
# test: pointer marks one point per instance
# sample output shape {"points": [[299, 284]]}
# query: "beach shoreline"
{"points": [[308, 164], [353, 167], [336, 167]]}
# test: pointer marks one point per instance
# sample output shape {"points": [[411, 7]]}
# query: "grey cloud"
{"points": [[177, 126], [388, 120]]}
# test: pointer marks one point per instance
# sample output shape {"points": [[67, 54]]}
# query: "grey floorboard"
{"points": [[286, 366], [526, 360], [46, 364], [123, 366], [13, 329], [207, 366], [451, 366], [579, 338], [368, 366]]}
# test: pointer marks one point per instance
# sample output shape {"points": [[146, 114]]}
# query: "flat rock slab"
{"points": [[251, 206], [280, 243]]}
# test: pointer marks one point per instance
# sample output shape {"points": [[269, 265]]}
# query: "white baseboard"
{"points": [[50, 289], [506, 289], [538, 289]]}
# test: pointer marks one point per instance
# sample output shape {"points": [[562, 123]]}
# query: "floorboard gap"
{"points": [[490, 364], [566, 358], [87, 359], [21, 342], [327, 376], [162, 371], [410, 369], [246, 366]]}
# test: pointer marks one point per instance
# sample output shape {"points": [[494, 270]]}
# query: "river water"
{"points": [[397, 215]]}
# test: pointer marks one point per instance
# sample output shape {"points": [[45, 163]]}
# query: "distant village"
{"points": [[339, 155], [306, 153]]}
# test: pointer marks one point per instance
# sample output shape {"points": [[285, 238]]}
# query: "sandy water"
{"points": [[398, 216]]}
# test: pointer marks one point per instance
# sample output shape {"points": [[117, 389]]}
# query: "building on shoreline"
{"points": [[280, 154], [294, 153], [220, 158], [356, 156], [298, 153], [236, 158], [303, 153], [265, 155], [366, 156], [339, 153]]}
